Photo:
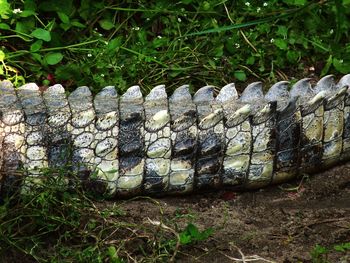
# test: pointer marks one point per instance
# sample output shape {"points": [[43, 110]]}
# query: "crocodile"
{"points": [[127, 145]]}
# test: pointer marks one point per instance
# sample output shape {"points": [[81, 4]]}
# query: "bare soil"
{"points": [[277, 223]]}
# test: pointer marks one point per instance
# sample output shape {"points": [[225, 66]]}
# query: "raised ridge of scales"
{"points": [[129, 145]]}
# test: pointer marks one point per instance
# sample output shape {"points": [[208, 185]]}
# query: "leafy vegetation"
{"points": [[101, 43], [53, 224], [320, 253]]}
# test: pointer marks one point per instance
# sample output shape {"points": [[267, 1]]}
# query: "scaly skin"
{"points": [[130, 145]]}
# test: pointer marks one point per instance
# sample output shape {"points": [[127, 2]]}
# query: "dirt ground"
{"points": [[275, 223]]}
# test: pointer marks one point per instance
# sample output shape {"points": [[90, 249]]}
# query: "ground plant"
{"points": [[99, 43], [55, 224]]}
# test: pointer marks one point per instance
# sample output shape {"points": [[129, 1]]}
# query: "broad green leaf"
{"points": [[282, 31], [113, 254], [77, 24], [114, 43], [240, 75], [4, 26], [106, 24], [250, 60], [64, 18], [206, 5], [27, 13], [185, 238], [341, 65], [4, 9], [42, 34], [281, 43], [193, 230], [65, 27], [25, 25], [37, 57], [53, 58], [36, 46], [2, 55]]}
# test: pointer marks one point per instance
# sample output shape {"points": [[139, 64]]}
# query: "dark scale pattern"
{"points": [[131, 142], [184, 134], [288, 129], [346, 130], [210, 140], [124, 146], [311, 150], [59, 116]]}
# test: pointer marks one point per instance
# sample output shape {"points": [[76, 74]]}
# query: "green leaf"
{"points": [[4, 26], [27, 13], [341, 65], [342, 247], [2, 55], [114, 44], [193, 230], [212, 63], [282, 31], [327, 66], [113, 254], [53, 58], [36, 46], [25, 26], [64, 18], [65, 27], [205, 234], [42, 34], [76, 23], [240, 75], [250, 60], [106, 24], [185, 238], [5, 9], [292, 56], [219, 50], [37, 57], [281, 43]]}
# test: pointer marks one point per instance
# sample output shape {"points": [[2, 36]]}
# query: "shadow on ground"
{"points": [[279, 223]]}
